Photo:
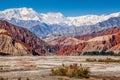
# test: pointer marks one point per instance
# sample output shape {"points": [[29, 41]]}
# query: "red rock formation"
{"points": [[8, 46], [115, 49], [105, 40], [100, 33], [71, 49], [27, 38]]}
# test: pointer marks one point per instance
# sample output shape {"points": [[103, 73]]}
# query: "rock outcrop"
{"points": [[8, 46], [105, 40], [27, 38], [20, 41]]}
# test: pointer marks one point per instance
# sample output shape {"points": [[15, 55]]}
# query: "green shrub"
{"points": [[71, 71]]}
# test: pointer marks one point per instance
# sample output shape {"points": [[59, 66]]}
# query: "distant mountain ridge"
{"points": [[53, 18], [103, 41], [56, 24], [19, 14]]}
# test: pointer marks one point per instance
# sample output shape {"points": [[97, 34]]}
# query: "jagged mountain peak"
{"points": [[89, 19], [60, 19], [20, 9], [54, 17], [19, 14], [115, 14]]}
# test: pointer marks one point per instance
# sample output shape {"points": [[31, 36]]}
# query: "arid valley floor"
{"points": [[38, 67]]}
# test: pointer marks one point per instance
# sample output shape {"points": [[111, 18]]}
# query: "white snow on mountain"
{"points": [[54, 18], [19, 14], [88, 19]]}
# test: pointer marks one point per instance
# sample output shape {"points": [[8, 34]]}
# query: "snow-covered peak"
{"points": [[58, 18], [19, 14], [52, 18], [88, 19], [114, 14]]}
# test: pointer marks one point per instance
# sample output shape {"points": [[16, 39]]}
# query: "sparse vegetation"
{"points": [[2, 78], [19, 78], [4, 54], [71, 71], [4, 67], [63, 78], [27, 78], [102, 68], [103, 60], [90, 60], [96, 53]]}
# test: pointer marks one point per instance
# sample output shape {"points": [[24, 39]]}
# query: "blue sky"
{"points": [[67, 7]]}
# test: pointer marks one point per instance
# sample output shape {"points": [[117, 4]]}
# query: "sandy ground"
{"points": [[38, 67]]}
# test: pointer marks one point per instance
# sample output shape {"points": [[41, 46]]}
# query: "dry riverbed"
{"points": [[38, 67]]}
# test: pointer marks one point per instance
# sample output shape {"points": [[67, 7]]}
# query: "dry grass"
{"points": [[107, 60], [1, 78], [71, 71]]}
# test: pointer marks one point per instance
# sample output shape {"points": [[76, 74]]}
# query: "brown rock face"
{"points": [[115, 49], [71, 49], [100, 33], [105, 40], [28, 39], [23, 42], [8, 46]]}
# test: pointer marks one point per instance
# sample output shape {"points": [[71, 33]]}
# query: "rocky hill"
{"points": [[102, 41], [28, 43], [9, 46], [27, 38]]}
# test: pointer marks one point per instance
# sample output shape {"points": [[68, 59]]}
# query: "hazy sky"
{"points": [[67, 7]]}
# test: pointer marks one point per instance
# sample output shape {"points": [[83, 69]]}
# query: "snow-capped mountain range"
{"points": [[53, 18], [19, 14], [54, 25]]}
